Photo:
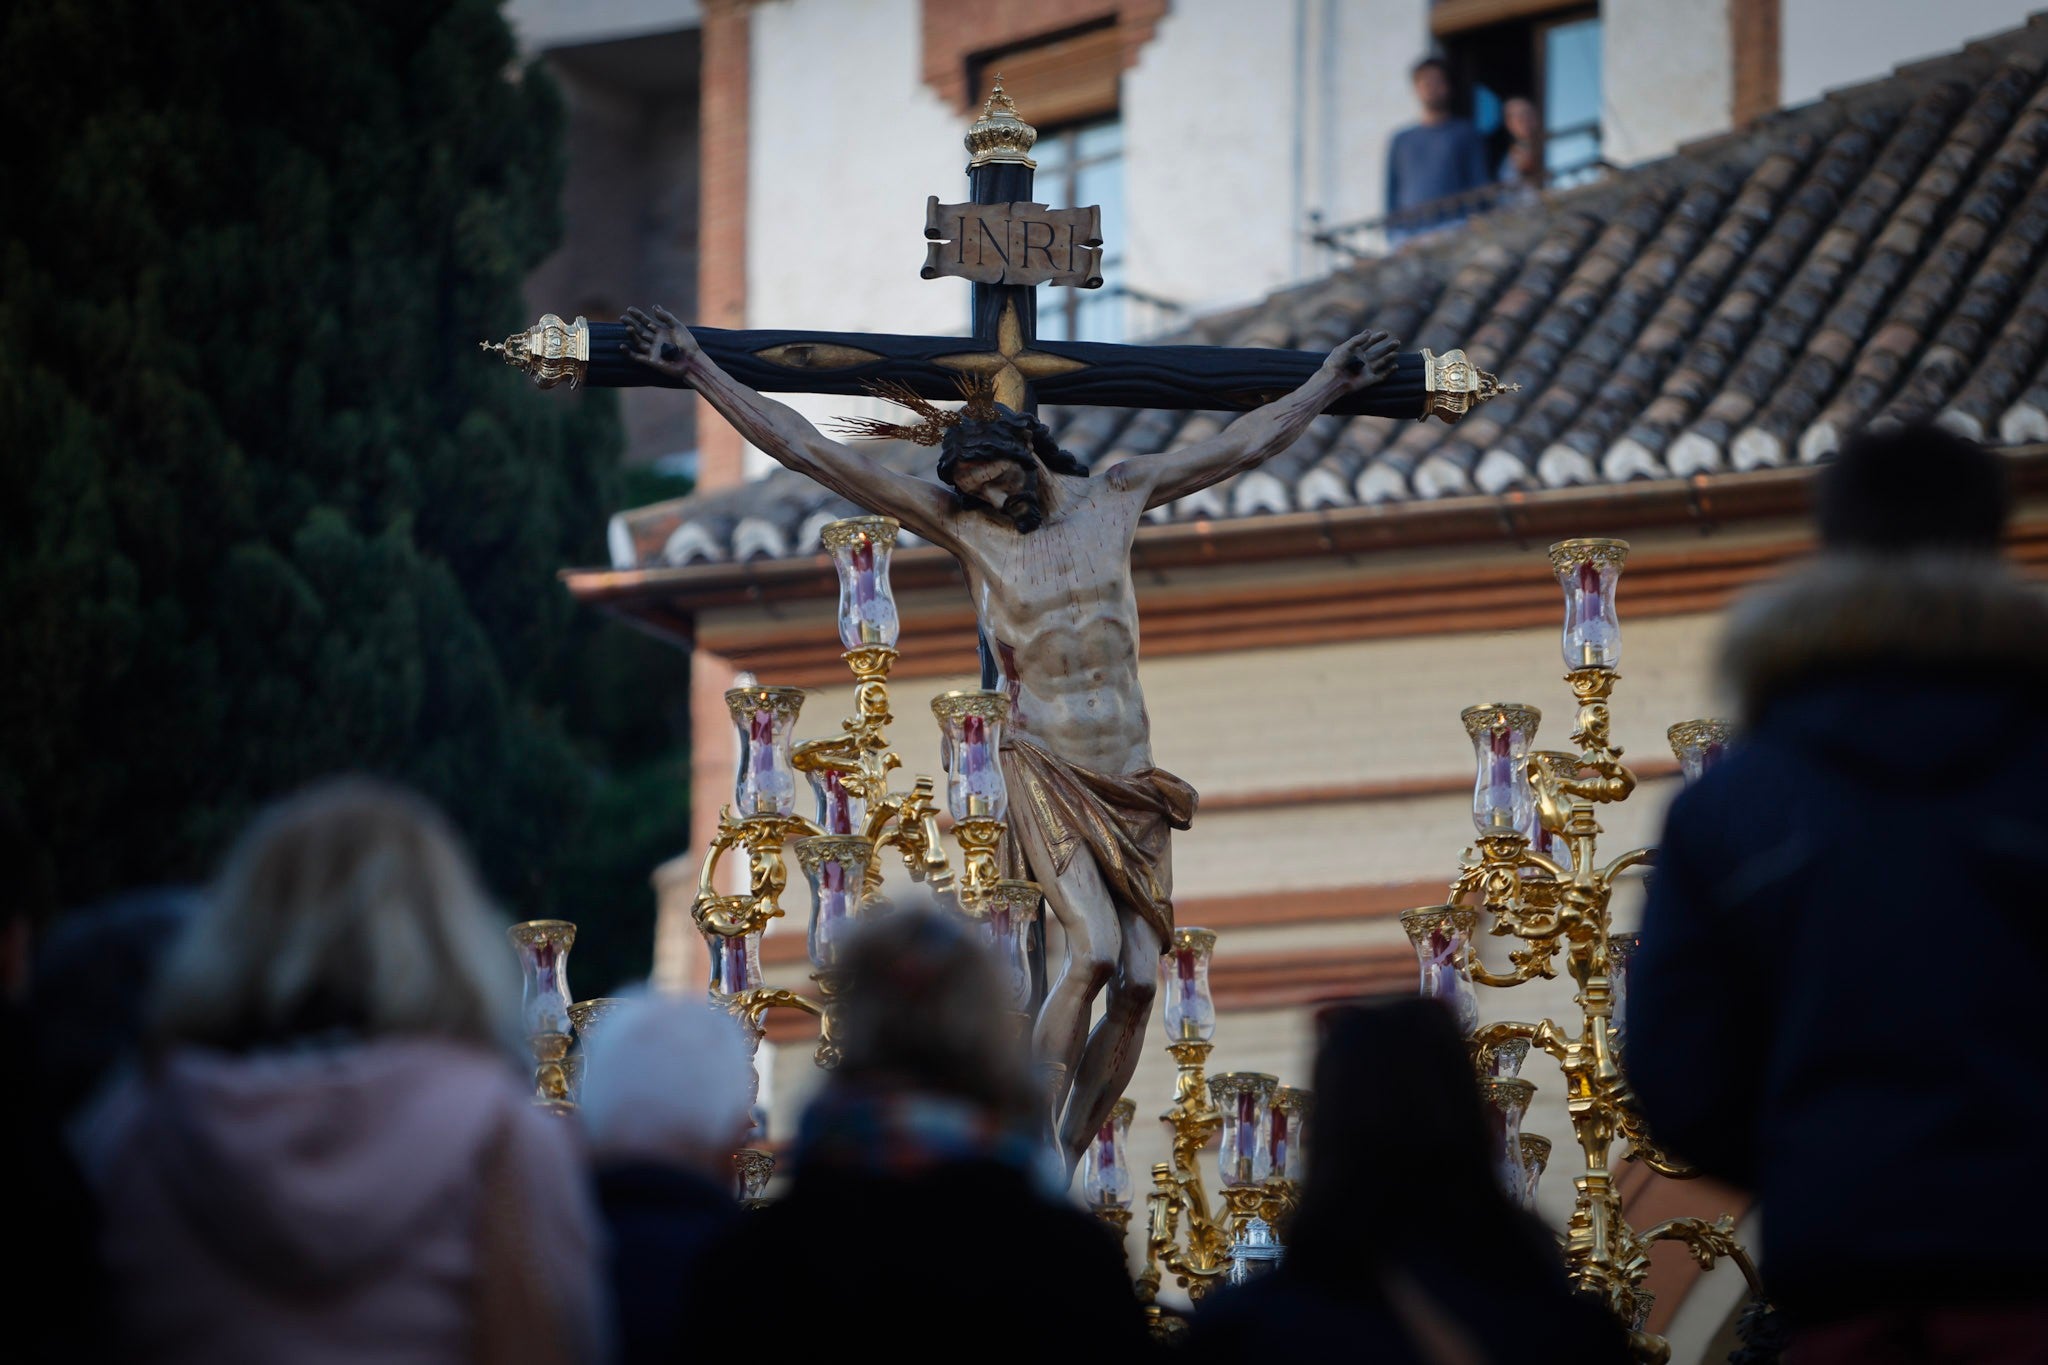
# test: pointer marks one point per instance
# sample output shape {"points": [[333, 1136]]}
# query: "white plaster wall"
{"points": [[846, 140], [1378, 710], [1667, 76], [1830, 43], [1240, 118]]}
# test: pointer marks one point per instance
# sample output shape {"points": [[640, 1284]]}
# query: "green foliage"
{"points": [[269, 513]]}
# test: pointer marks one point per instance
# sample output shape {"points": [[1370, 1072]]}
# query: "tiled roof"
{"points": [[1876, 257]]}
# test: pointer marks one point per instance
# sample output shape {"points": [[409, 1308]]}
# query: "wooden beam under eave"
{"points": [[1447, 17], [668, 601]]}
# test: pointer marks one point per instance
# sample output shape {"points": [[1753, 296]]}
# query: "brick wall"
{"points": [[722, 225], [1753, 28], [954, 32]]}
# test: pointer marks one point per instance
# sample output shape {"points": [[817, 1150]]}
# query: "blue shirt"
{"points": [[1435, 161]]}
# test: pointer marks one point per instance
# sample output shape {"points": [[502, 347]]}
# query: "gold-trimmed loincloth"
{"points": [[1122, 821]]}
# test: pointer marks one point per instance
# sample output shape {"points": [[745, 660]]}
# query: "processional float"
{"points": [[1533, 874]]}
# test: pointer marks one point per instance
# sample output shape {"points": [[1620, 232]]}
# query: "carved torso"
{"points": [[1060, 612]]}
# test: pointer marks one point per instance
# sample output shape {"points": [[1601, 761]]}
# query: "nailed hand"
{"points": [[659, 342], [1364, 360]]}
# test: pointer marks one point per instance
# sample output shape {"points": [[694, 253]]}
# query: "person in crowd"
{"points": [[52, 1216], [1523, 163], [667, 1084], [1405, 1248], [1439, 157], [93, 972], [1883, 799], [329, 1153], [922, 1165]]}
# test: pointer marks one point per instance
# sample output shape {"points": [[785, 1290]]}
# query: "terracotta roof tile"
{"points": [[1878, 257]]}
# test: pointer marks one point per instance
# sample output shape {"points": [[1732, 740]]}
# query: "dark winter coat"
{"points": [[1442, 1308], [659, 1220], [958, 1261], [1832, 1005]]}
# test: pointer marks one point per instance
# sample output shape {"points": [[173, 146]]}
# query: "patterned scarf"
{"points": [[865, 1129]]}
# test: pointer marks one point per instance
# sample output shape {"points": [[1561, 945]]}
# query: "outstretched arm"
{"points": [[1261, 434], [662, 343]]}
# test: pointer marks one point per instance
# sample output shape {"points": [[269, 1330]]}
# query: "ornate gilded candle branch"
{"points": [[1259, 1158], [1534, 874], [858, 815]]}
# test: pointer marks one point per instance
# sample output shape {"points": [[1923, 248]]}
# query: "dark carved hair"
{"points": [[1016, 437], [1916, 488], [1006, 436]]}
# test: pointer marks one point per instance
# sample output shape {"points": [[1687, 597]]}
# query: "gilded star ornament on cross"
{"points": [[1013, 364]]}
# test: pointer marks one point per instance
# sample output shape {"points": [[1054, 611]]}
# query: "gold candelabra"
{"points": [[1535, 875], [858, 816], [1256, 1124]]}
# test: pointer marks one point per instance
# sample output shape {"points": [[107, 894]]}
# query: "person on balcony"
{"points": [[1804, 1020], [1436, 159]]}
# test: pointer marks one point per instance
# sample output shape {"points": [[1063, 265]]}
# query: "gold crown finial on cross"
{"points": [[999, 136]]}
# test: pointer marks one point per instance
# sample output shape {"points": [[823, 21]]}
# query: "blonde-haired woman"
{"points": [[329, 1154]]}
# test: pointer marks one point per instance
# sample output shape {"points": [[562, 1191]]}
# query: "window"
{"points": [[1549, 53], [1571, 98], [1079, 165]]}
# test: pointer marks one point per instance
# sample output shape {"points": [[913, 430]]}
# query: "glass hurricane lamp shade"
{"points": [[1004, 917], [970, 746], [1507, 1100], [1504, 1059], [1189, 1008], [1698, 745], [839, 810], [1621, 949], [1442, 936], [543, 948], [587, 1017], [1535, 1157], [836, 868], [1287, 1156], [1589, 571], [1502, 800], [1105, 1165], [752, 1169], [1254, 1252], [1244, 1151], [765, 718], [735, 963], [860, 548]]}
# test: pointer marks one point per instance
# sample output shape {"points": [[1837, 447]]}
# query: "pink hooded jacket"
{"points": [[323, 1205]]}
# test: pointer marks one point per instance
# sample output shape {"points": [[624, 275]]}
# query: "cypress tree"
{"points": [[270, 514]]}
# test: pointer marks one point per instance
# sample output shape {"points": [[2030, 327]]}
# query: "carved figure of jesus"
{"points": [[1046, 548]]}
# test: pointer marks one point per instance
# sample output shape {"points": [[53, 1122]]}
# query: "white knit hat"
{"points": [[665, 1077]]}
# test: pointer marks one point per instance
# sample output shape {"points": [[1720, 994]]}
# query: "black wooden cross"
{"points": [[1004, 343]]}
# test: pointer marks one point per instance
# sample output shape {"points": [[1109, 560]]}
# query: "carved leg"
{"points": [[1111, 1058], [1088, 917]]}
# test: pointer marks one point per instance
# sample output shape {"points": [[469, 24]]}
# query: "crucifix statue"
{"points": [[1044, 543]]}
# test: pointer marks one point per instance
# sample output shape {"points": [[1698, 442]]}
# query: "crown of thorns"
{"points": [[978, 391]]}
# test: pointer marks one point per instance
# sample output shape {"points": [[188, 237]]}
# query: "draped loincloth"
{"points": [[1122, 821]]}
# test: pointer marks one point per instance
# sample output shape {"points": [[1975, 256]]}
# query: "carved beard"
{"points": [[1023, 509]]}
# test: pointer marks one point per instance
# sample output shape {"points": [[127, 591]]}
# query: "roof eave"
{"points": [[665, 601]]}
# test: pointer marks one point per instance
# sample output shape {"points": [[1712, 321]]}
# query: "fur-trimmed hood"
{"points": [[1855, 614]]}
